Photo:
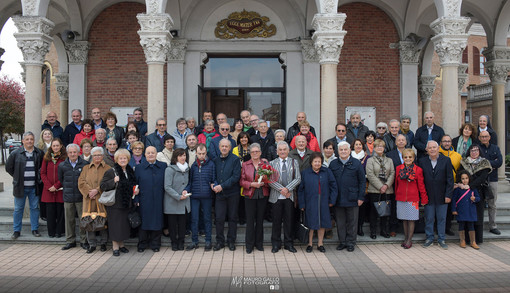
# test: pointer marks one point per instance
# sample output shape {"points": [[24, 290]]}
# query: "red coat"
{"points": [[313, 145], [80, 136], [410, 191], [247, 177], [49, 176]]}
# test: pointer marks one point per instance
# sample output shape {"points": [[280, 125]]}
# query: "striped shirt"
{"points": [[29, 170]]}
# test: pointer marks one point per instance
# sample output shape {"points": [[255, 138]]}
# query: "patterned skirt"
{"points": [[408, 210]]}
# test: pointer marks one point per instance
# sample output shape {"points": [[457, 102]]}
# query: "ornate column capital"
{"points": [[308, 51], [498, 63], [409, 53], [426, 87], [462, 75], [78, 52], [155, 36], [450, 39], [329, 36], [33, 37], [177, 50], [62, 85]]}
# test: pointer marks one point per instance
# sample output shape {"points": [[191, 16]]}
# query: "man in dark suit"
{"points": [[429, 131], [73, 128], [156, 139], [438, 178], [341, 135], [396, 154], [264, 139]]}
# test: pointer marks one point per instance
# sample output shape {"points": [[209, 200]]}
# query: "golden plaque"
{"points": [[243, 25]]}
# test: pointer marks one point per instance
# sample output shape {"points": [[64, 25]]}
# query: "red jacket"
{"points": [[247, 177], [80, 136], [410, 191], [313, 145], [49, 176]]}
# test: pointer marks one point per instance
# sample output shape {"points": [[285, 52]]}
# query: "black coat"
{"points": [[421, 138], [69, 133], [124, 190], [362, 130], [57, 130], [265, 146], [304, 162], [153, 140], [438, 181], [389, 141], [228, 173], [335, 143], [15, 166], [294, 130], [119, 134], [395, 157], [493, 154], [68, 176]]}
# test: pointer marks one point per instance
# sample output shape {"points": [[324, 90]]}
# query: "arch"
{"points": [[61, 54], [502, 26], [426, 62], [173, 8], [75, 17], [8, 11], [480, 15]]}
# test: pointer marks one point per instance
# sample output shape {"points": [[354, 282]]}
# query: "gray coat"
{"points": [[175, 182], [293, 179]]}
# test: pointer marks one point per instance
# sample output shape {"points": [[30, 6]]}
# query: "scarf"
{"points": [[473, 166], [407, 173], [382, 170], [137, 159], [404, 132], [462, 146], [370, 147], [308, 138], [182, 167], [208, 137], [55, 157], [358, 156]]}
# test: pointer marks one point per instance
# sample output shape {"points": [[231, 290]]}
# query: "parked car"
{"points": [[14, 145], [8, 142]]}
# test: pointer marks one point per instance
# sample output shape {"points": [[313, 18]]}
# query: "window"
{"points": [[465, 58], [482, 66], [476, 61], [48, 86]]}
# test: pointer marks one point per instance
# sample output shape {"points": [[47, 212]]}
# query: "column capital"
{"points": [[177, 50], [308, 51], [329, 36], [462, 75], [62, 85], [155, 36], [426, 87], [450, 38], [498, 63], [33, 37], [78, 52], [409, 53]]}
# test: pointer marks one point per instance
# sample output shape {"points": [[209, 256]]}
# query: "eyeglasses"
{"points": [[222, 129], [340, 130], [97, 155], [161, 124], [446, 141], [475, 150], [381, 127]]}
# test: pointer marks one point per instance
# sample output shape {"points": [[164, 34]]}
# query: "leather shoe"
{"points": [[321, 249], [174, 247], [180, 246], [385, 234], [290, 248], [495, 231], [260, 248], [15, 235], [141, 249], [449, 232], [218, 246], [103, 247], [91, 249], [341, 247], [309, 249], [350, 248], [232, 246], [124, 250], [249, 250], [69, 246], [275, 249], [373, 236], [116, 253], [36, 233], [191, 246], [84, 245], [208, 247], [393, 234], [155, 249]]}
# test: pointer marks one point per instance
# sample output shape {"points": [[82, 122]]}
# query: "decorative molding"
{"points": [[450, 39], [243, 25], [330, 6], [309, 53], [409, 53], [329, 36], [426, 87], [498, 71], [452, 7], [496, 53], [29, 7], [155, 36], [462, 76], [78, 52], [152, 6], [177, 50], [62, 84], [33, 37], [283, 58]]}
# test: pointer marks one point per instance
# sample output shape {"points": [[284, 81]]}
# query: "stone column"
{"points": [[155, 40], [34, 40], [78, 55], [62, 85], [449, 43], [328, 40], [311, 88], [498, 66], [426, 87], [2, 51], [175, 79], [462, 77], [409, 59]]}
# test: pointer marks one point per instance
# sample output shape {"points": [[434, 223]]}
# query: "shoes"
{"points": [[275, 249], [309, 249], [85, 245], [44, 219], [91, 249], [36, 233], [428, 243], [341, 247], [232, 246], [59, 235], [123, 250], [116, 253], [403, 244], [393, 234], [51, 236], [290, 248], [192, 246], [141, 249], [443, 244], [328, 234], [69, 246], [174, 247], [495, 231], [218, 246], [385, 234], [155, 249], [449, 232], [260, 248], [321, 249], [249, 250], [350, 248], [15, 235], [408, 246], [201, 233], [360, 230], [208, 246], [373, 235], [180, 246], [103, 247]]}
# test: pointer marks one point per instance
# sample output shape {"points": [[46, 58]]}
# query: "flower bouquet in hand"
{"points": [[266, 174]]}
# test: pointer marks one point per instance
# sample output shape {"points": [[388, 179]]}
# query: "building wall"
{"points": [[369, 70], [51, 60]]}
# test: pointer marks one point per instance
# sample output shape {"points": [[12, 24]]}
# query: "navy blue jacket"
{"points": [[394, 156], [350, 180], [466, 208], [438, 181], [153, 140], [228, 173], [69, 133], [151, 179], [200, 179], [214, 147], [142, 128], [421, 138], [493, 154], [57, 130]]}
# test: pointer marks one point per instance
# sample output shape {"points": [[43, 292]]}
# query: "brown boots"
{"points": [[473, 241], [462, 236]]}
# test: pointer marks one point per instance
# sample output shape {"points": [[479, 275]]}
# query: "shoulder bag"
{"points": [[107, 198], [383, 207]]}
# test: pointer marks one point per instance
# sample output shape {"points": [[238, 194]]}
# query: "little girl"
{"points": [[464, 207]]}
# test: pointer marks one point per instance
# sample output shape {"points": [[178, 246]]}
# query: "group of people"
{"points": [[178, 181]]}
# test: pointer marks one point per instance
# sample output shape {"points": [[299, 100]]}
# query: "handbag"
{"points": [[134, 218], [487, 191], [302, 231], [107, 198], [93, 221], [383, 207]]}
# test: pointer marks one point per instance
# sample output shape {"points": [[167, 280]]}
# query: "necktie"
{"points": [[430, 134], [285, 181]]}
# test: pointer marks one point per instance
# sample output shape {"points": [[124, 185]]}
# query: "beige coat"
{"points": [[90, 178], [373, 169]]}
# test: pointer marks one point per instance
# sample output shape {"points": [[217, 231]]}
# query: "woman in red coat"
{"points": [[87, 131], [409, 193], [52, 191], [311, 140]]}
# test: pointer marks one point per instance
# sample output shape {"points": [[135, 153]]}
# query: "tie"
{"points": [[285, 180], [430, 134]]}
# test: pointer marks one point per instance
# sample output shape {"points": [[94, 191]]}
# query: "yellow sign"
{"points": [[243, 25]]}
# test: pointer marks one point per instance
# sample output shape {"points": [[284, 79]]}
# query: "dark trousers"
{"points": [[480, 210], [55, 218], [383, 221], [177, 228], [449, 218], [255, 210], [346, 221], [283, 212], [363, 213], [149, 238], [241, 211], [393, 216], [226, 205]]}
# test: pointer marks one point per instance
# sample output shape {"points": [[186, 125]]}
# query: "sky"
{"points": [[12, 55]]}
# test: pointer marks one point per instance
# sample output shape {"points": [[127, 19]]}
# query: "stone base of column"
{"points": [[503, 186]]}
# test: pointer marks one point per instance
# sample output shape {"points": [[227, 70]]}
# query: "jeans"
{"points": [[433, 212], [19, 207], [206, 205]]}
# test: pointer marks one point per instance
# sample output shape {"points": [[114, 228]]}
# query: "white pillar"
{"points": [[328, 39], [409, 59], [155, 40], [77, 53], [449, 43], [175, 79], [62, 85], [426, 87], [34, 40], [311, 88]]}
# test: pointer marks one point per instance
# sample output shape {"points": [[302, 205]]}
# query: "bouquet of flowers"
{"points": [[266, 174]]}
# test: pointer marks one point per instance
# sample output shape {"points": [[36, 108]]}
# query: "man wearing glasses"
{"points": [[447, 150], [214, 148], [156, 139], [341, 135]]}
